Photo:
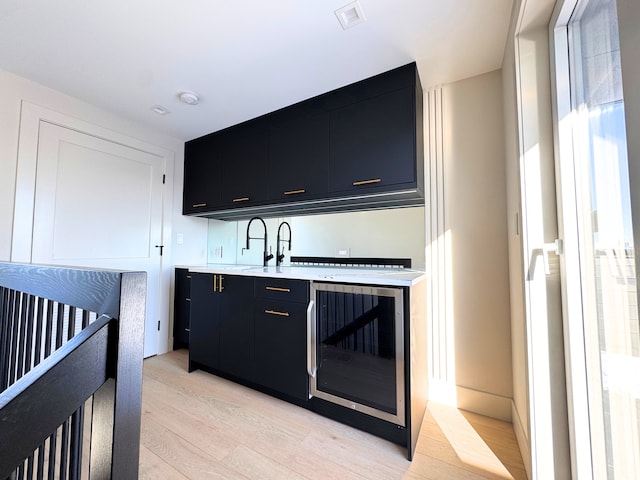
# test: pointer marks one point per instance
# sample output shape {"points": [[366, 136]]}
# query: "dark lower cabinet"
{"points": [[236, 327], [204, 340], [181, 308], [222, 324], [280, 347]]}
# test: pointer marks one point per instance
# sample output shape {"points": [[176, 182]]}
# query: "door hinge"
{"points": [[158, 325], [164, 178]]}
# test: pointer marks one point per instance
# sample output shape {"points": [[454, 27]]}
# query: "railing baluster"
{"points": [[60, 326], [13, 333], [37, 354], [51, 474], [85, 318], [64, 450], [30, 467], [28, 363], [71, 327], [40, 469], [49, 330], [4, 337], [75, 457]]}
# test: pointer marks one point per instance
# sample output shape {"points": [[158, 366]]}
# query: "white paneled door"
{"points": [[99, 204]]}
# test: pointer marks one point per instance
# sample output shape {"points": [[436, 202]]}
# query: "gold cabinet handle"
{"points": [[278, 289], [188, 299], [220, 287], [274, 312], [366, 182], [240, 199], [215, 283], [196, 205], [293, 192]]}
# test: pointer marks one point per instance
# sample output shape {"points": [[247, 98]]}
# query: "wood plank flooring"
{"points": [[199, 426]]}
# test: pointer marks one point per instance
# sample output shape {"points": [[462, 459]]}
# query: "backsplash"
{"points": [[398, 233]]}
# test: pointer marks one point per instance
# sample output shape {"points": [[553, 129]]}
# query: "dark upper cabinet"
{"points": [[244, 164], [202, 174], [298, 155], [359, 147], [373, 143]]}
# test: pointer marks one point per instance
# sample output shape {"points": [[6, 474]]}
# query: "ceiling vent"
{"points": [[160, 110], [350, 15], [190, 98]]}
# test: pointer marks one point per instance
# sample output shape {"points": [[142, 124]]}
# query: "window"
{"points": [[605, 385]]}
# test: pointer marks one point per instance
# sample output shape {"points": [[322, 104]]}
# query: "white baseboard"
{"points": [[483, 403], [522, 438]]}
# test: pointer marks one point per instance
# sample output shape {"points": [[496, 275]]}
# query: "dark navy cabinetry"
{"points": [[360, 146], [181, 308]]}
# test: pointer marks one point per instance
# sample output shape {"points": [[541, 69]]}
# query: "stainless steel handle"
{"points": [[275, 312], [188, 299], [366, 182], [311, 340], [187, 329]]}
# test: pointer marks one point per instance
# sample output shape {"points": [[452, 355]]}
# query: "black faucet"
{"points": [[266, 256], [280, 256]]}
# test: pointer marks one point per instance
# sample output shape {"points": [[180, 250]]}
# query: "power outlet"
{"points": [[343, 252]]}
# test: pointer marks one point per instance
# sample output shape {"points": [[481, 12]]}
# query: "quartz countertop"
{"points": [[402, 277]]}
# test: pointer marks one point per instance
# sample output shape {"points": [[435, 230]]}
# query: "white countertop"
{"points": [[402, 277]]}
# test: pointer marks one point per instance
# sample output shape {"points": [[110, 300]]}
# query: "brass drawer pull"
{"points": [[293, 192], [366, 182], [196, 205], [274, 312], [188, 299], [241, 199], [220, 287], [278, 289], [215, 283]]}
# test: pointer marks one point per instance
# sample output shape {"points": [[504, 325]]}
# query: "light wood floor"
{"points": [[198, 426]]}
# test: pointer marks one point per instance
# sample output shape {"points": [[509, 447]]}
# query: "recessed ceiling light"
{"points": [[190, 98], [350, 15], [160, 110]]}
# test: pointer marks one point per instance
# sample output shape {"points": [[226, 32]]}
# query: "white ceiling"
{"points": [[244, 58]]}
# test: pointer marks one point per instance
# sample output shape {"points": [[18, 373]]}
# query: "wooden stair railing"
{"points": [[71, 350]]}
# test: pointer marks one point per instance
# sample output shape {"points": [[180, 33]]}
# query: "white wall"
{"points": [[467, 247], [475, 200], [13, 91]]}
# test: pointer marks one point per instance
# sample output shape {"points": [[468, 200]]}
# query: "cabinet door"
{"points": [[204, 339], [181, 308], [298, 158], [236, 326], [373, 143], [245, 164], [280, 347], [202, 174]]}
